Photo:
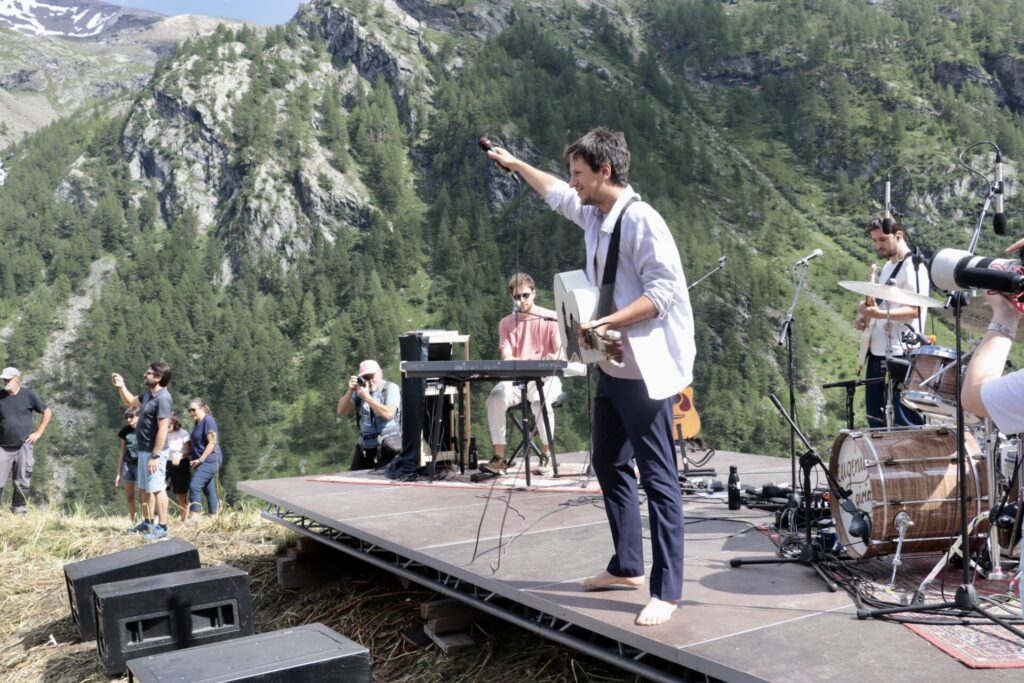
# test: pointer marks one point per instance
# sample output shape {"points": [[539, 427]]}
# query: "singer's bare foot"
{"points": [[605, 580], [655, 612]]}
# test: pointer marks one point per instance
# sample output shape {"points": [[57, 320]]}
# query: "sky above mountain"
{"points": [[258, 11]]}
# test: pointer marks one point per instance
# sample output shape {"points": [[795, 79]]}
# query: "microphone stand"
{"points": [[721, 264], [966, 597], [786, 337], [810, 555]]}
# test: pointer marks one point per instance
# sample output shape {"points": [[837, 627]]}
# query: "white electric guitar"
{"points": [[575, 303], [865, 337]]}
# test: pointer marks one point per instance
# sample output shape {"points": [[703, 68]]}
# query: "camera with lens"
{"points": [[955, 270], [361, 382]]}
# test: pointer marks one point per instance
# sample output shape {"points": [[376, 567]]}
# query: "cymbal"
{"points": [[897, 295]]}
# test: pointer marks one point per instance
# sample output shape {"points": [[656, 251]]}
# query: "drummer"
{"points": [[889, 319]]}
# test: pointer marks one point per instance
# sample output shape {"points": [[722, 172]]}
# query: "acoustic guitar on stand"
{"points": [[685, 420]]}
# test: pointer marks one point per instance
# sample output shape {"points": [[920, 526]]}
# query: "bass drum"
{"points": [[912, 471]]}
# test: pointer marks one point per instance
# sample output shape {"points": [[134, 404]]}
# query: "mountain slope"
{"points": [[283, 203]]}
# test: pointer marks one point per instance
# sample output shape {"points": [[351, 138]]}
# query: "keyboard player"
{"points": [[530, 332]]}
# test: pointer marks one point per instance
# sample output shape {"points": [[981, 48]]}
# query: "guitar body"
{"points": [[684, 415], [865, 337], [576, 302]]}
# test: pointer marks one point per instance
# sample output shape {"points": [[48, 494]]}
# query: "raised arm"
{"points": [[540, 181], [126, 396]]}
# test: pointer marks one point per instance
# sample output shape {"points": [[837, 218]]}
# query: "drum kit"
{"points": [[904, 479]]}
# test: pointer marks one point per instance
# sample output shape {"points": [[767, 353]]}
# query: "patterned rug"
{"points": [[572, 479]]}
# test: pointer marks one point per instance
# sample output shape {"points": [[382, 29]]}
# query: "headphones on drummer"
{"points": [[860, 525]]}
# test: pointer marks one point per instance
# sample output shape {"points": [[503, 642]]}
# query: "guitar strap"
{"points": [[611, 264]]}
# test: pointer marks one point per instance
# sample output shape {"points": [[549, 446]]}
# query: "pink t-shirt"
{"points": [[529, 336]]}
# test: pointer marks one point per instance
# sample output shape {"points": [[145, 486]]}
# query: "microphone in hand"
{"points": [[485, 144]]}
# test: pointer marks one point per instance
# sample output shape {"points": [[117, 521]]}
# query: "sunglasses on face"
{"points": [[522, 297]]}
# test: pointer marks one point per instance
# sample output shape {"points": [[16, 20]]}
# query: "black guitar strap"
{"points": [[611, 264]]}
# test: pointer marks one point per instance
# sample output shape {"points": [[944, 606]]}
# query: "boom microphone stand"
{"points": [[966, 598], [811, 555]]}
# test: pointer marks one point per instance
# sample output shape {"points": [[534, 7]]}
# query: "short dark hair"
{"points": [[897, 224], [520, 278], [163, 370], [603, 146]]}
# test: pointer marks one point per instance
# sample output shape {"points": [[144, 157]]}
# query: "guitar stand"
{"points": [[697, 469]]}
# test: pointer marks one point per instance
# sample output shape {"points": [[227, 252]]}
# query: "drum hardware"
{"points": [[810, 555], [851, 390], [902, 522], [954, 550], [966, 597]]}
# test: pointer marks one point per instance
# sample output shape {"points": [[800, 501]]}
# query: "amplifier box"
{"points": [[304, 654], [171, 555], [171, 611]]}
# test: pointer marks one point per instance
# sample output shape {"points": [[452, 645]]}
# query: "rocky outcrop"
{"points": [[24, 80], [1009, 71], [481, 19], [374, 56], [956, 74]]}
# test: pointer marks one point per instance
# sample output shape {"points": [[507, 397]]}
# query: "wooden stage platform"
{"points": [[752, 623]]}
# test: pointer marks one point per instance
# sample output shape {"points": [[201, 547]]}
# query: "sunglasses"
{"points": [[522, 297]]}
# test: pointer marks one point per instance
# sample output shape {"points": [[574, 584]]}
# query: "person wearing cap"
{"points": [[17, 438], [377, 404]]}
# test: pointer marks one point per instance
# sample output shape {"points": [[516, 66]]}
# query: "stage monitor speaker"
{"points": [[304, 654], [172, 611], [155, 558]]}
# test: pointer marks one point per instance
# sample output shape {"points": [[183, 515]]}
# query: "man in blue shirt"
{"points": [[377, 403], [155, 407], [633, 407]]}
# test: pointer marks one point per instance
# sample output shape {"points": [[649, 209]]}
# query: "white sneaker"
{"points": [[543, 465]]}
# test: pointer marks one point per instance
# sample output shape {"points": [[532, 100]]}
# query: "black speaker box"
{"points": [[172, 611], [304, 654], [171, 555]]}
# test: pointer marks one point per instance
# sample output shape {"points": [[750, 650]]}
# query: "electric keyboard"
{"points": [[483, 370]]}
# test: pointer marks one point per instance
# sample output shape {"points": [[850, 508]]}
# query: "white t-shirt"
{"points": [[1004, 400], [905, 279], [175, 443]]}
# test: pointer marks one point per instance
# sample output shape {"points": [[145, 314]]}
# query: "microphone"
{"points": [[515, 306], [887, 218], [485, 144], [999, 218], [803, 262]]}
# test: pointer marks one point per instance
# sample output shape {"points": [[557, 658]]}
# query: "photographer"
{"points": [[986, 391], [377, 403]]}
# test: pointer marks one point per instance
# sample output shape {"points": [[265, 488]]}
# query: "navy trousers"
{"points": [[874, 398], [627, 425]]}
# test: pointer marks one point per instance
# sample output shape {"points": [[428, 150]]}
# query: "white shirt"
{"points": [[1004, 400], [659, 350], [905, 279]]}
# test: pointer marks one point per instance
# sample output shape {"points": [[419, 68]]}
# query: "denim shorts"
{"points": [[157, 481], [129, 471]]}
